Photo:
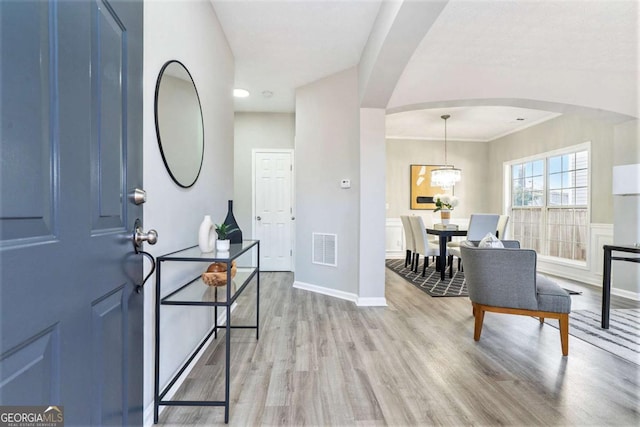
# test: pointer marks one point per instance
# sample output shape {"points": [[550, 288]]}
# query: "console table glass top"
{"points": [[195, 254]]}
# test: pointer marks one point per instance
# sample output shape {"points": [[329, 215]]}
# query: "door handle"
{"points": [[258, 218], [139, 236]]}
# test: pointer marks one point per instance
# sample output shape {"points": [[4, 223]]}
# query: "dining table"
{"points": [[444, 236]]}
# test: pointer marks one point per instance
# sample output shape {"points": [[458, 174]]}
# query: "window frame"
{"points": [[507, 198]]}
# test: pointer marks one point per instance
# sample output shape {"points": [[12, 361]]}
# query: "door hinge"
{"points": [[290, 252], [291, 168]]}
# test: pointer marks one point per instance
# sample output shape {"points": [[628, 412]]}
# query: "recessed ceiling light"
{"points": [[267, 93], [240, 93]]}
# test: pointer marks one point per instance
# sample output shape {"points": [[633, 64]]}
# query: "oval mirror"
{"points": [[179, 123]]}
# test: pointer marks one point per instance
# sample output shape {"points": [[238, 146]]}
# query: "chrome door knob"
{"points": [[258, 218], [139, 236], [150, 237]]}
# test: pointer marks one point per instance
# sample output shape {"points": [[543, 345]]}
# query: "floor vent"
{"points": [[325, 249]]}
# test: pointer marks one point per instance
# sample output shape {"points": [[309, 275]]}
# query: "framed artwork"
{"points": [[421, 190]]}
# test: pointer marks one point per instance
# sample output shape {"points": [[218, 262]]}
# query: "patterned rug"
{"points": [[622, 338], [431, 283]]}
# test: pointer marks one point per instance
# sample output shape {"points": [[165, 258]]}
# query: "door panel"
{"points": [[108, 321], [108, 137], [71, 135], [274, 207], [32, 370], [28, 146]]}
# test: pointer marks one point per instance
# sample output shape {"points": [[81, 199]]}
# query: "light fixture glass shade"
{"points": [[445, 177]]}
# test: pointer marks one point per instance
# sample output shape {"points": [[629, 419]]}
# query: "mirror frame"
{"points": [[164, 159]]}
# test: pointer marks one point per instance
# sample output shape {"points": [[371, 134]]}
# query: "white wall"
{"points": [[372, 219], [190, 33], [327, 150], [255, 130]]}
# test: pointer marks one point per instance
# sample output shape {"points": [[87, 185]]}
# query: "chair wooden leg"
{"points": [[424, 266], [564, 333], [541, 320], [407, 258], [450, 266], [479, 315]]}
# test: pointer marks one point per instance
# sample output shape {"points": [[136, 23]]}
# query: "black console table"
{"points": [[197, 293], [606, 275]]}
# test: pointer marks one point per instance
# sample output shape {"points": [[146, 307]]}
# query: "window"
{"points": [[549, 203]]}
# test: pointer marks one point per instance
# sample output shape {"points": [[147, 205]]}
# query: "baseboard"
{"points": [[395, 255], [625, 294], [148, 411], [326, 291], [371, 302]]}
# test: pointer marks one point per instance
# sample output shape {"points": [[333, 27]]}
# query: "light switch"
{"points": [[345, 183]]}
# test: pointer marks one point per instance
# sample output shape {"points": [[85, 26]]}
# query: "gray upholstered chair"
{"points": [[505, 281]]}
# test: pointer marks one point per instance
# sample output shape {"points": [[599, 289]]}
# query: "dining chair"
{"points": [[479, 226], [423, 247], [501, 229], [409, 241]]}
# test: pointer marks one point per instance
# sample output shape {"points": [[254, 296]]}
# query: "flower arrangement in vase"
{"points": [[445, 204]]}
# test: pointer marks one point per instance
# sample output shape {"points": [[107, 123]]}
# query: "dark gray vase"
{"points": [[230, 220]]}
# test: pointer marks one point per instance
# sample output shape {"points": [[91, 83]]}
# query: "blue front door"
{"points": [[70, 141]]}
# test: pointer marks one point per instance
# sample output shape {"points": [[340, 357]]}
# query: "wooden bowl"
{"points": [[216, 274]]}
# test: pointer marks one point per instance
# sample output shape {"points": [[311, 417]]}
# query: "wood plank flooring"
{"points": [[322, 361]]}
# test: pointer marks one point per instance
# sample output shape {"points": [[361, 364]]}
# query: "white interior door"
{"points": [[273, 209]]}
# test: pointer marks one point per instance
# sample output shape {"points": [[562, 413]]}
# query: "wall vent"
{"points": [[324, 249]]}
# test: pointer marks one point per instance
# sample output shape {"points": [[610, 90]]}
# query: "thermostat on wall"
{"points": [[345, 183]]}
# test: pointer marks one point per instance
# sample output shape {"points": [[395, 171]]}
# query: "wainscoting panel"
{"points": [[394, 235]]}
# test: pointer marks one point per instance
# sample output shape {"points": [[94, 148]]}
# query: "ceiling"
{"points": [[284, 44], [484, 123], [281, 45]]}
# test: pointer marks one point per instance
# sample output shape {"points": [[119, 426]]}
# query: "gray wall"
{"points": [[197, 40], [554, 134], [255, 130], [471, 157], [327, 150]]}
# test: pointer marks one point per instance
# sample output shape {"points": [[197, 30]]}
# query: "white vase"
{"points": [[223, 245], [206, 235]]}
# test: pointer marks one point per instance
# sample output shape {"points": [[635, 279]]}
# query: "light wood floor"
{"points": [[323, 361]]}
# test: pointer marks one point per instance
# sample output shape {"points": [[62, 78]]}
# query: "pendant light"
{"points": [[445, 176]]}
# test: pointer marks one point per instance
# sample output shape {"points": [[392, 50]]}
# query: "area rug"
{"points": [[431, 283], [622, 338]]}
